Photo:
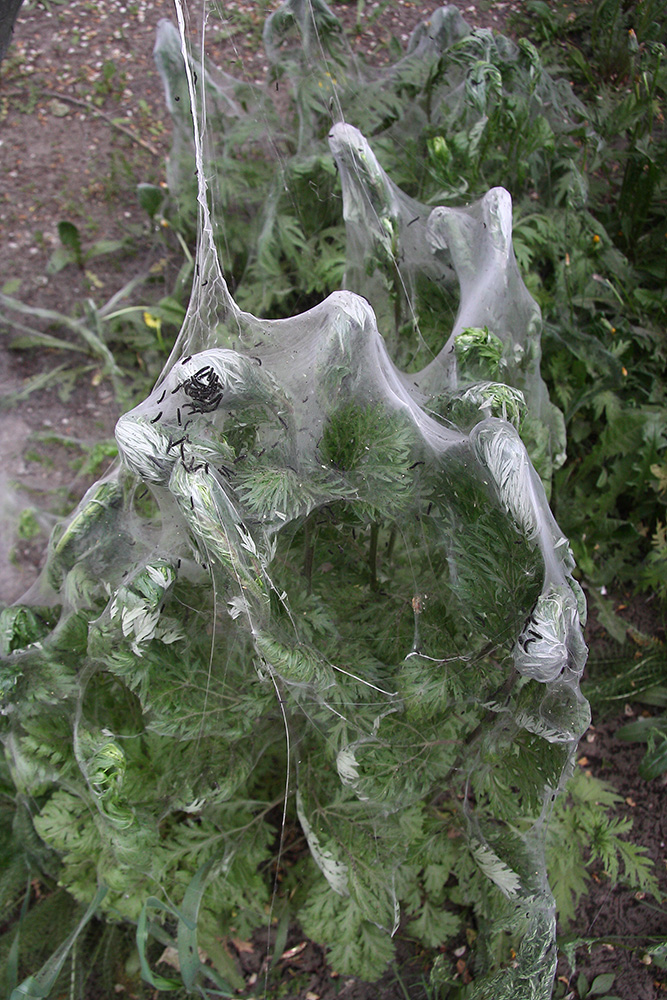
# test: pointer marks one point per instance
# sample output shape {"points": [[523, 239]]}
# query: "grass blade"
{"points": [[39, 986]]}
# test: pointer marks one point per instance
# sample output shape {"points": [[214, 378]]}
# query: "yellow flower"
{"points": [[596, 239], [154, 322]]}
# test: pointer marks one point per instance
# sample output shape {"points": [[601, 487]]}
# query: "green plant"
{"points": [[130, 328], [28, 525], [582, 835], [154, 707], [46, 4], [598, 987], [333, 569], [337, 562], [110, 82], [71, 250], [652, 732], [605, 314]]}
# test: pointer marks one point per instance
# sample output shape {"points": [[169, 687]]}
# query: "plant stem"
{"points": [[373, 555], [500, 693], [391, 542], [309, 552]]}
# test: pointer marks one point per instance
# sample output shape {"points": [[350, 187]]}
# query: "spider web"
{"points": [[325, 566]]}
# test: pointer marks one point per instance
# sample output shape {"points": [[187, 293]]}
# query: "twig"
{"points": [[96, 111], [121, 128]]}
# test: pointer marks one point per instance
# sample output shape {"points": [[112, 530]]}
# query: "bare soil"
{"points": [[82, 122], [623, 921]]}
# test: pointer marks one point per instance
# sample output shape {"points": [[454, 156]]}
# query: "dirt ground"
{"points": [[622, 920], [82, 122]]}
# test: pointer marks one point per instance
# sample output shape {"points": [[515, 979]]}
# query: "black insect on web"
{"points": [[204, 389]]}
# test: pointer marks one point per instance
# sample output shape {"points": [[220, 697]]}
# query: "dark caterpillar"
{"points": [[204, 389]]}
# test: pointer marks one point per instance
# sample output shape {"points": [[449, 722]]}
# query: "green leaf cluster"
{"points": [[581, 835]]}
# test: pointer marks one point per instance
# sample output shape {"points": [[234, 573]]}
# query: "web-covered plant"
{"points": [[283, 247], [400, 250], [321, 592]]}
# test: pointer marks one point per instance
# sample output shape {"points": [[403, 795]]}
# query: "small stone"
{"points": [[58, 108]]}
